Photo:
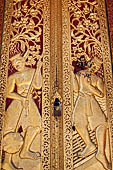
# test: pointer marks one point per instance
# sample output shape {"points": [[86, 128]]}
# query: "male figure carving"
{"points": [[87, 111], [22, 112]]}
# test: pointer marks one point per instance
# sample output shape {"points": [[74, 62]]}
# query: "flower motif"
{"points": [[80, 50], [31, 24], [97, 49], [80, 27], [30, 61], [32, 48], [74, 51], [18, 13], [95, 26], [33, 12], [93, 16], [74, 48], [37, 40], [71, 8], [38, 47], [16, 24], [77, 14], [86, 10], [39, 5], [86, 23], [74, 41], [25, 9], [24, 21]]}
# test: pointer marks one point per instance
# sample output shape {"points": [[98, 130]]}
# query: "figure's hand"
{"points": [[25, 102]]}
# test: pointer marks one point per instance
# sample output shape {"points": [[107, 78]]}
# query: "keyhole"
{"points": [[57, 107]]}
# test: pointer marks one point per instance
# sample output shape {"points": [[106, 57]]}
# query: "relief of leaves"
{"points": [[78, 2], [28, 34], [84, 26], [32, 34], [27, 27]]}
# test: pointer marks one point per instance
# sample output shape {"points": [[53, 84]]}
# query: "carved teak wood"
{"points": [[56, 86]]}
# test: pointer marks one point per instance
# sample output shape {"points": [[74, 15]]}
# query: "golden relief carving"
{"points": [[22, 124], [26, 118], [89, 110]]}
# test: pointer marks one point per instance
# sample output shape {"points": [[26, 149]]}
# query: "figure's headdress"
{"points": [[15, 51], [95, 61]]}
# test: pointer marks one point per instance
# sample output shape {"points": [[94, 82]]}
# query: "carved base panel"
{"points": [[56, 86]]}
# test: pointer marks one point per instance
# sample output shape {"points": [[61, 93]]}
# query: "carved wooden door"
{"points": [[87, 86], [56, 86]]}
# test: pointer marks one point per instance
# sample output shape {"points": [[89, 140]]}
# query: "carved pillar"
{"points": [[56, 85]]}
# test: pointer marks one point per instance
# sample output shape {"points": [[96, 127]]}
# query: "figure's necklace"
{"points": [[85, 74]]}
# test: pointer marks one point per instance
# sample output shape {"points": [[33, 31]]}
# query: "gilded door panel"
{"points": [[87, 80], [25, 85], [55, 51]]}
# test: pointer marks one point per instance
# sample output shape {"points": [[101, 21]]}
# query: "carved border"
{"points": [[56, 60], [110, 19], [107, 68], [46, 80], [67, 109], [1, 19], [4, 66], [54, 160], [46, 90]]}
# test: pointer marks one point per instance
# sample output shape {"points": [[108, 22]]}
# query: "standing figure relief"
{"points": [[22, 119], [87, 111]]}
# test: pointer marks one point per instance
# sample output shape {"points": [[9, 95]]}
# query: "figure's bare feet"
{"points": [[102, 159], [7, 166], [88, 150], [30, 155]]}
